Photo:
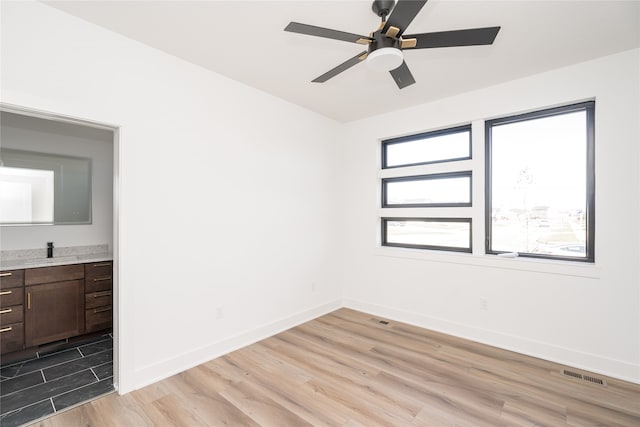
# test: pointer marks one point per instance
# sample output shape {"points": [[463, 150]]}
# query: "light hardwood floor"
{"points": [[347, 369]]}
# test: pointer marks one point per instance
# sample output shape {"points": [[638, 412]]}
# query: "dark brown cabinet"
{"points": [[11, 311], [98, 285], [54, 303], [46, 304]]}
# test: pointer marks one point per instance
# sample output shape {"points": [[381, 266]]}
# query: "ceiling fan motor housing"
{"points": [[380, 40]]}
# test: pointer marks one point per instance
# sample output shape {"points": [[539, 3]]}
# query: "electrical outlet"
{"points": [[313, 286], [219, 313], [484, 304]]}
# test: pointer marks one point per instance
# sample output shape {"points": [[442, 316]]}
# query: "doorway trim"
{"points": [[47, 115]]}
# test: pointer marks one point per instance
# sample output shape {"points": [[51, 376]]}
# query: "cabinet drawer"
{"points": [[98, 269], [11, 279], [97, 299], [59, 273], [11, 337], [101, 283], [98, 318], [10, 297], [13, 314]]}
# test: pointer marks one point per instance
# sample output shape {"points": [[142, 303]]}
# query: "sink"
{"points": [[50, 260]]}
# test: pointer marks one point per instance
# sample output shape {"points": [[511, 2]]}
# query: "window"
{"points": [[436, 190], [540, 184], [453, 234], [408, 181], [431, 147]]}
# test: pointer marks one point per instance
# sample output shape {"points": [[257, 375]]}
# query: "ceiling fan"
{"points": [[385, 45]]}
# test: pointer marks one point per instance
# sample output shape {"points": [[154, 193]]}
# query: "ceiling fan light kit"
{"points": [[385, 45], [384, 53], [385, 59]]}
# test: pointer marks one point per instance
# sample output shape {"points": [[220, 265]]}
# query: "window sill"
{"points": [[563, 268]]}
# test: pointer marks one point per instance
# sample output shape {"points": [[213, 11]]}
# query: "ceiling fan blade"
{"points": [[311, 30], [340, 68], [470, 37], [402, 14], [402, 76]]}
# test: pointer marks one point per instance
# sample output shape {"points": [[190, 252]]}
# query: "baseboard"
{"points": [[159, 371], [590, 362], [580, 360]]}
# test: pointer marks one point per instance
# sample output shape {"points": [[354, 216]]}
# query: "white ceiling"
{"points": [[244, 40]]}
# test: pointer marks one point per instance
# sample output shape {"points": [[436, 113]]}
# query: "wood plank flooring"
{"points": [[347, 369]]}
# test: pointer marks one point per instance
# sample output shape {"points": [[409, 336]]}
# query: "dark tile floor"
{"points": [[40, 386]]}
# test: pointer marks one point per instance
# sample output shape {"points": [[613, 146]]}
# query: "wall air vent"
{"points": [[582, 377]]}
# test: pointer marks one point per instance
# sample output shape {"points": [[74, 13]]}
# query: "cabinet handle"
{"points": [[29, 300], [102, 279], [6, 292], [7, 329], [104, 264], [5, 311], [102, 294], [5, 274], [100, 310]]}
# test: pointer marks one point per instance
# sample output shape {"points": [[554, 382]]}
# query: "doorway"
{"points": [[54, 372]]}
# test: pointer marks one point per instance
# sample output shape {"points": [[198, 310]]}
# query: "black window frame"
{"points": [[427, 177], [384, 241], [425, 135], [589, 108]]}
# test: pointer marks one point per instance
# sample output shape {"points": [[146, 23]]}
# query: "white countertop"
{"points": [[17, 264]]}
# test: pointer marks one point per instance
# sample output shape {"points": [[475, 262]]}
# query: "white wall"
{"points": [[34, 134], [225, 193], [583, 315]]}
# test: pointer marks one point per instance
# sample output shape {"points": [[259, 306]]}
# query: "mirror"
{"points": [[42, 188]]}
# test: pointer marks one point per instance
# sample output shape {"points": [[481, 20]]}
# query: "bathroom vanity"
{"points": [[42, 304]]}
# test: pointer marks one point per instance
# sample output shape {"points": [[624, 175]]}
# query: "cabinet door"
{"points": [[54, 311]]}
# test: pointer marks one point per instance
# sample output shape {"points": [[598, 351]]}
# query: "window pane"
{"points": [[539, 185], [428, 190], [452, 144], [450, 234]]}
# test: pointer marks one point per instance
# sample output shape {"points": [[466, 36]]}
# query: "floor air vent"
{"points": [[572, 374], [586, 378], [593, 379]]}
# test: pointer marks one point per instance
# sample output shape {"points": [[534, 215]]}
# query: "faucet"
{"points": [[49, 249]]}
